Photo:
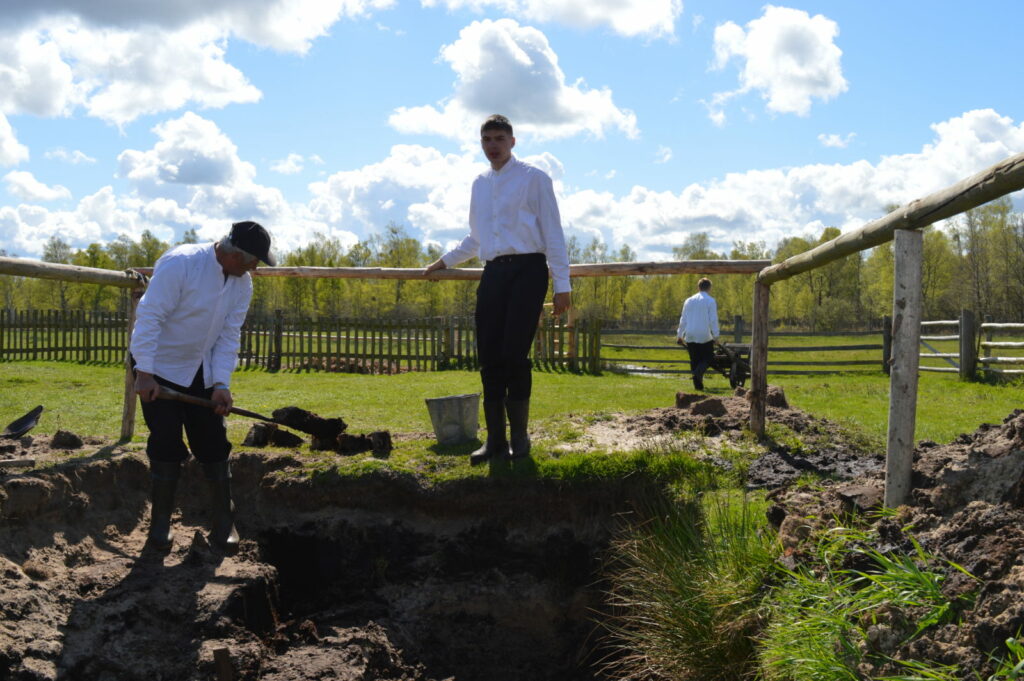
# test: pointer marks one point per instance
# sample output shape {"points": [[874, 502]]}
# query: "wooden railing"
{"points": [[903, 226], [1001, 365]]}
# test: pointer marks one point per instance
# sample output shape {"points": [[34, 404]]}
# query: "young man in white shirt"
{"points": [[514, 226], [698, 328], [186, 337]]}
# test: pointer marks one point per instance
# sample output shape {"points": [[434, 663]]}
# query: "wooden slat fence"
{"points": [[72, 336], [277, 342], [1011, 352], [935, 343], [792, 361]]}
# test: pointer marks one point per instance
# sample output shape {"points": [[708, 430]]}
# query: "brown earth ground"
{"points": [[386, 577]]}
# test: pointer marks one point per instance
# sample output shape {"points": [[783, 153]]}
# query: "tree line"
{"points": [[977, 263]]}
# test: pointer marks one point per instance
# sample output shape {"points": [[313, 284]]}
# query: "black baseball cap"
{"points": [[253, 239]]}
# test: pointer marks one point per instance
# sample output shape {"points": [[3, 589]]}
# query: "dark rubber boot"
{"points": [[165, 476], [518, 421], [496, 445], [223, 534]]}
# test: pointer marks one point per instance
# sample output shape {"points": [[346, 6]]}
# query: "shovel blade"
{"points": [[19, 427]]}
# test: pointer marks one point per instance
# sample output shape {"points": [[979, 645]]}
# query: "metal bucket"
{"points": [[456, 418]]}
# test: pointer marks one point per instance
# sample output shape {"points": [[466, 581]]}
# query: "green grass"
{"points": [[688, 586], [821, 613], [946, 406], [87, 399]]}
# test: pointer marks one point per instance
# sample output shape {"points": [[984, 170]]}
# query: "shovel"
{"points": [[19, 427], [171, 394]]}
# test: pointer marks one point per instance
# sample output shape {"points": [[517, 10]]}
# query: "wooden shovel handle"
{"points": [[171, 394]]}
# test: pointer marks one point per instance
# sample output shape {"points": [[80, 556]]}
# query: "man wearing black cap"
{"points": [[186, 337]]}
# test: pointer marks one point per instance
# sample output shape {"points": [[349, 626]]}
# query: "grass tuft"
{"points": [[687, 589]]}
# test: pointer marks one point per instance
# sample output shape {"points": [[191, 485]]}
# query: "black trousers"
{"points": [[701, 356], [206, 430], [508, 305]]}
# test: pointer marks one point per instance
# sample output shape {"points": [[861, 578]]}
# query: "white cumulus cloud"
{"points": [[74, 157], [290, 165], [787, 55], [771, 204], [836, 141], [192, 177], [12, 152], [121, 59], [289, 25], [502, 67], [663, 155], [417, 186], [25, 186], [647, 18]]}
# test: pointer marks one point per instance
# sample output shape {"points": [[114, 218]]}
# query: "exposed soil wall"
{"points": [[338, 578]]}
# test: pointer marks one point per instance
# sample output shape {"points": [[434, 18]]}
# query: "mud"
{"points": [[384, 577], [373, 578], [967, 507], [821, 447]]}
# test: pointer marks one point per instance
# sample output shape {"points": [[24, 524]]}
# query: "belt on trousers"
{"points": [[515, 257]]}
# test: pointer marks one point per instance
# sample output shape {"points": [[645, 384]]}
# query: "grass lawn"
{"points": [[87, 399]]}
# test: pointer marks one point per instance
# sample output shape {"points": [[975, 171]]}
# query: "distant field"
{"points": [[87, 399]]}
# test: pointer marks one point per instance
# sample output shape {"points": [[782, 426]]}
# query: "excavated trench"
{"points": [[376, 577]]}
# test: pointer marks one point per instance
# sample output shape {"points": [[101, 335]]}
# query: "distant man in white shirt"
{"points": [[186, 337], [514, 226], [698, 329]]}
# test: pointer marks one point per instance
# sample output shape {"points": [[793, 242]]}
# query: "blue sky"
{"points": [[656, 118]]}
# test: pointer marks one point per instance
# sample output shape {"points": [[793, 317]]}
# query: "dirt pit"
{"points": [[381, 577], [337, 578]]}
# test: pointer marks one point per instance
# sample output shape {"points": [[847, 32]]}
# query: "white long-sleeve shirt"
{"points": [[513, 210], [191, 314], [698, 322]]}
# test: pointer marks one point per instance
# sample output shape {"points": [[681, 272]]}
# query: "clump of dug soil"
{"points": [[967, 507]]}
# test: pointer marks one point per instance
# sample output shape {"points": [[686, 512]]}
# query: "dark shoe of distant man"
{"points": [[496, 445], [164, 482], [518, 421], [223, 534]]}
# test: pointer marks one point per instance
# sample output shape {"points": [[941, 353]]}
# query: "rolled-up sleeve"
{"points": [[550, 222], [161, 298]]}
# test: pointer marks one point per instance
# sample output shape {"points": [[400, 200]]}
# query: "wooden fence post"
{"points": [[275, 357], [906, 311], [988, 339], [130, 399], [886, 344], [737, 329], [968, 346], [759, 359], [595, 346]]}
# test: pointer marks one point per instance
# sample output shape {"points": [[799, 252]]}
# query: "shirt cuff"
{"points": [[145, 366]]}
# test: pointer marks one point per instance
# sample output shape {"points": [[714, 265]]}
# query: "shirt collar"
{"points": [[511, 162]]}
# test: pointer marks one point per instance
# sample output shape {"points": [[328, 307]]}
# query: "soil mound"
{"points": [[966, 508]]}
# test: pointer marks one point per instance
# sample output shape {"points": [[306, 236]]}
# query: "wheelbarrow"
{"points": [[730, 364]]}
